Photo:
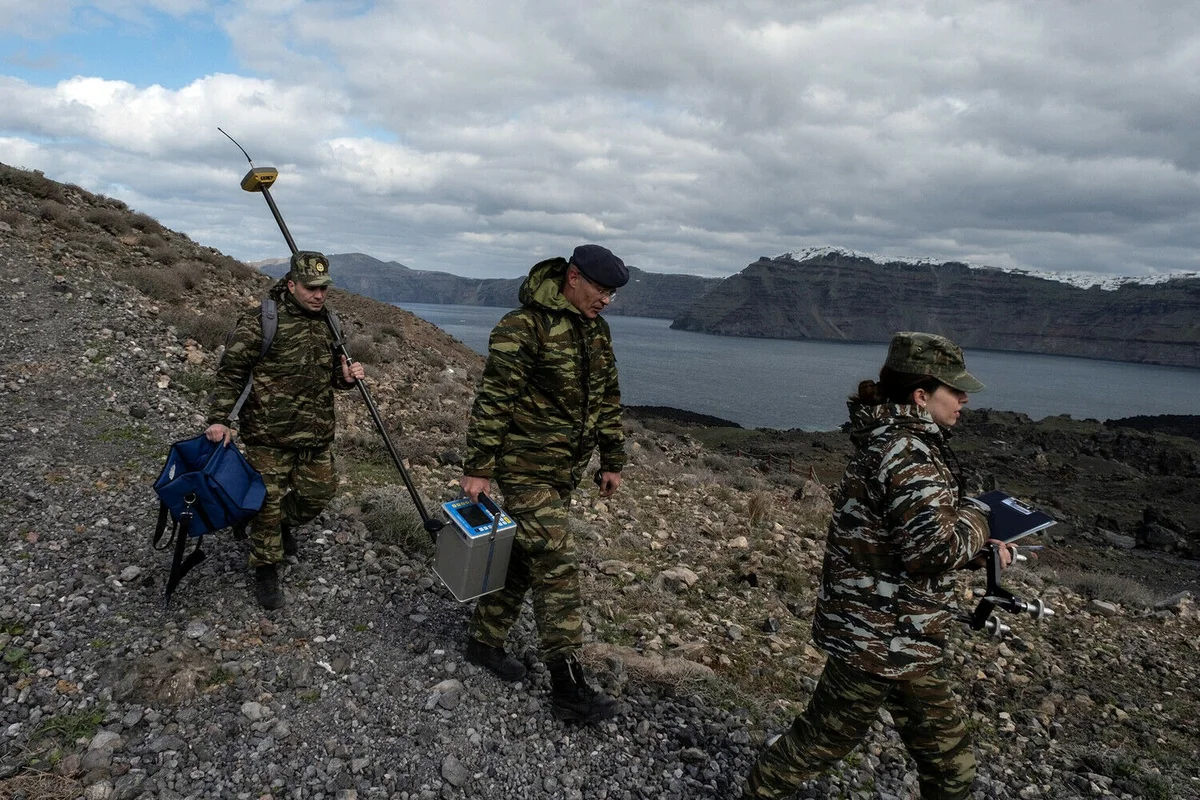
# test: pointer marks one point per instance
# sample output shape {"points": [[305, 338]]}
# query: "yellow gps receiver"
{"points": [[259, 178]]}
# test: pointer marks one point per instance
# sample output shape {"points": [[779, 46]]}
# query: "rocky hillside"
{"points": [[648, 294], [843, 296], [699, 580]]}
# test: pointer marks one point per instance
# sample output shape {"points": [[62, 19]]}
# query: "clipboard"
{"points": [[1010, 519]]}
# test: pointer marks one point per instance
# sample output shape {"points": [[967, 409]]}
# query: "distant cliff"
{"points": [[392, 282], [844, 296], [647, 294]]}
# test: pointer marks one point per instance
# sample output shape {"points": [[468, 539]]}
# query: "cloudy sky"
{"points": [[478, 137]]}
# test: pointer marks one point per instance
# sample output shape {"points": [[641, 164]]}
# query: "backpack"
{"points": [[204, 486]]}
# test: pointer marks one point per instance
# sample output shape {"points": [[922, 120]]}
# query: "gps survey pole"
{"points": [[260, 179]]}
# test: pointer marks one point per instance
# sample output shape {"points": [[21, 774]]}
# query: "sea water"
{"points": [[778, 383]]}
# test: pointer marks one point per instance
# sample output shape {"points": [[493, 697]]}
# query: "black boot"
{"points": [[495, 659], [266, 586], [291, 546], [572, 697]]}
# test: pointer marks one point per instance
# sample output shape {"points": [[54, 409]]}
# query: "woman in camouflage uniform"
{"points": [[902, 525]]}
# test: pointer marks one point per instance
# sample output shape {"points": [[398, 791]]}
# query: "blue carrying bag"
{"points": [[204, 487]]}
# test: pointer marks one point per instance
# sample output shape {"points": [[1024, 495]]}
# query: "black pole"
{"points": [[431, 524], [287, 237]]}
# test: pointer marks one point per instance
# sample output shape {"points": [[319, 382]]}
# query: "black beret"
{"points": [[600, 265]]}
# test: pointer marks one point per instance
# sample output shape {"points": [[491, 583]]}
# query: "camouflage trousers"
{"points": [[544, 562], [300, 482], [842, 708]]}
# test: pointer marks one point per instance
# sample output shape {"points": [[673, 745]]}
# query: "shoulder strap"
{"points": [[270, 324], [269, 318]]}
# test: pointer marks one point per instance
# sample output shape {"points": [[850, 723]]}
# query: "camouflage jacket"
{"points": [[549, 395], [291, 404], [900, 529]]}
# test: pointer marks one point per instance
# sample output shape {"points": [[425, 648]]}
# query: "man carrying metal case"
{"points": [[547, 399]]}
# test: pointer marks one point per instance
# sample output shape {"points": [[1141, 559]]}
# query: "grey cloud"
{"points": [[688, 136]]}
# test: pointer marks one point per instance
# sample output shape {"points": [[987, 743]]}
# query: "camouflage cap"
{"points": [[310, 268], [929, 354]]}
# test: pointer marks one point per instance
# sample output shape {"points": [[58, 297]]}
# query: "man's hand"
{"points": [[219, 433], [472, 486], [608, 482], [352, 372]]}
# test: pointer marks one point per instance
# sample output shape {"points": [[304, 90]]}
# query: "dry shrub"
{"points": [[433, 358], [390, 516], [210, 330], [109, 219], [745, 482], [145, 223], [444, 421], [760, 508], [32, 182], [167, 284], [12, 217], [111, 202], [364, 444], [724, 494], [161, 251], [105, 244], [814, 506], [1103, 586], [53, 211], [171, 676], [364, 349], [225, 266], [719, 463], [32, 785], [682, 676], [647, 453]]}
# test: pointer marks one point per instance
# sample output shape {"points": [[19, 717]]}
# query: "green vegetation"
{"points": [[16, 659], [67, 728], [219, 676], [196, 381]]}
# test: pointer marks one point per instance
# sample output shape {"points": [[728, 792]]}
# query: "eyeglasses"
{"points": [[604, 291]]}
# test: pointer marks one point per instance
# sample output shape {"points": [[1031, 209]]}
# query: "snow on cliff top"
{"points": [[1083, 280]]}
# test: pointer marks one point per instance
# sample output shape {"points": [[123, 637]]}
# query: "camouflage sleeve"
{"points": [[512, 353], [935, 532], [241, 352], [610, 435]]}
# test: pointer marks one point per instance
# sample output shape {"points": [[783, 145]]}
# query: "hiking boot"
{"points": [[266, 586], [291, 546], [494, 658], [571, 696]]}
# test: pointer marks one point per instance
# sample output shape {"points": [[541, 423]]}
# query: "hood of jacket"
{"points": [[870, 421], [542, 288]]}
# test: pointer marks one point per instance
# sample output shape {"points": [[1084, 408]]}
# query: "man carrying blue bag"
{"points": [[287, 420]]}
